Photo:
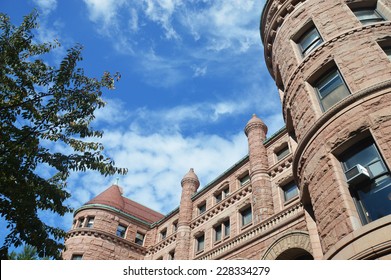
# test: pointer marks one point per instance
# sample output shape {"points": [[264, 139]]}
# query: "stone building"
{"points": [[320, 188]]}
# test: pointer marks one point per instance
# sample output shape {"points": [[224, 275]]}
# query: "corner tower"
{"points": [[331, 63]]}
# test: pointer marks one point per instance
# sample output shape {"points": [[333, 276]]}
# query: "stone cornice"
{"points": [[255, 232], [96, 233], [111, 209], [327, 116]]}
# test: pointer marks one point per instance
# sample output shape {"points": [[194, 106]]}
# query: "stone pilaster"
{"points": [[190, 184], [262, 201]]}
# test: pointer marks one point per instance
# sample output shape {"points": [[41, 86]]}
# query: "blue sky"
{"points": [[193, 73]]}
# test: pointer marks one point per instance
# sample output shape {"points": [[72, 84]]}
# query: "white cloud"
{"points": [[46, 6]]}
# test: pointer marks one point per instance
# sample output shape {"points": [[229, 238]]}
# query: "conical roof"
{"points": [[113, 197]]}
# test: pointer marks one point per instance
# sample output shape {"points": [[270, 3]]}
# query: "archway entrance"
{"points": [[295, 254]]}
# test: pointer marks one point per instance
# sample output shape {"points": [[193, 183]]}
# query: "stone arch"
{"points": [[289, 245]]}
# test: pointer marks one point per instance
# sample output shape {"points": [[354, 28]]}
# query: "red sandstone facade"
{"points": [[331, 61]]}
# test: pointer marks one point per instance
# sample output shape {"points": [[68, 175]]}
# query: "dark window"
{"points": [[290, 191], [121, 231], [388, 52], [372, 191], [218, 232], [200, 243], [81, 222], [247, 216], [368, 16], [221, 195], [309, 40], [244, 180], [77, 257], [171, 255], [163, 234], [139, 239], [331, 89], [222, 230], [90, 222], [175, 226], [282, 153], [202, 208]]}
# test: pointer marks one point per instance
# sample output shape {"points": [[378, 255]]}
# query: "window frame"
{"points": [[249, 212], [90, 222], [244, 180], [309, 30], [201, 208], [223, 194], [378, 17], [283, 152], [224, 228], [163, 234], [200, 248], [140, 239], [289, 186], [326, 80], [77, 257], [124, 231], [360, 189]]}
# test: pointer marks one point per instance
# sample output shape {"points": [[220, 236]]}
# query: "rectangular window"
{"points": [[372, 191], [174, 226], [309, 40], [77, 257], [331, 89], [222, 230], [139, 238], [81, 222], [244, 180], [282, 153], [163, 234], [200, 240], [368, 16], [221, 195], [290, 191], [121, 229], [90, 222], [247, 216], [201, 208]]}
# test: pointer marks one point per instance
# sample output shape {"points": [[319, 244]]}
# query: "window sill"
{"points": [[246, 226]]}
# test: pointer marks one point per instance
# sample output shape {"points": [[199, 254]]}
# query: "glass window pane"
{"points": [[388, 52], [309, 41], [218, 233], [290, 191], [282, 153], [368, 16], [200, 243], [227, 228], [246, 216], [363, 156], [218, 197], [376, 197], [331, 90]]}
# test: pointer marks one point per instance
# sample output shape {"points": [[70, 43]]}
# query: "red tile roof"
{"points": [[113, 197]]}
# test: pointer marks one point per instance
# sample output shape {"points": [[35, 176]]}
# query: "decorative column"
{"points": [[190, 184], [262, 201]]}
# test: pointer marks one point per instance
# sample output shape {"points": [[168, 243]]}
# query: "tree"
{"points": [[41, 104], [28, 253]]}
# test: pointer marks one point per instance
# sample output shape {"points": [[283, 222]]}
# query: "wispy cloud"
{"points": [[46, 6]]}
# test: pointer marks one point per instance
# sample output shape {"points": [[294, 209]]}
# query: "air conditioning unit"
{"points": [[357, 174]]}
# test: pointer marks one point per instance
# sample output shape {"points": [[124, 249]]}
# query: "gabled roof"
{"points": [[113, 197]]}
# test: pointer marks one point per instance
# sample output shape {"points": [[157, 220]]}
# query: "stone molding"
{"points": [[289, 240], [96, 233], [221, 206], [281, 166], [250, 235], [162, 244]]}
